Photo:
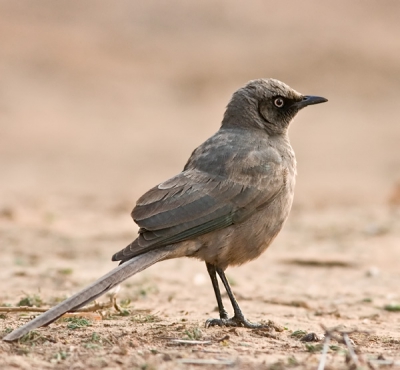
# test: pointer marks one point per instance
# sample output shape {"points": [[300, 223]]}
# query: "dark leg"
{"points": [[213, 276], [238, 319]]}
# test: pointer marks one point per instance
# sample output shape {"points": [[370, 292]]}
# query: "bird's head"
{"points": [[267, 104]]}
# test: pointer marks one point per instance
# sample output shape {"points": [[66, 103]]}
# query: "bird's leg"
{"points": [[213, 276], [238, 318]]}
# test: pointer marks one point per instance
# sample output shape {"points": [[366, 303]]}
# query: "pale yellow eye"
{"points": [[279, 102]]}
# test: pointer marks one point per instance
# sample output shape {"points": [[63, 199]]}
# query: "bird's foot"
{"points": [[235, 321]]}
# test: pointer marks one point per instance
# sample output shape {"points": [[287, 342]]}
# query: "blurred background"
{"points": [[101, 100], [106, 99]]}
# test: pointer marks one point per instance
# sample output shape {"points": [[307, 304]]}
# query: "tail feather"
{"points": [[98, 288]]}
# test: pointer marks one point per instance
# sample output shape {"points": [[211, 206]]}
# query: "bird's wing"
{"points": [[195, 203]]}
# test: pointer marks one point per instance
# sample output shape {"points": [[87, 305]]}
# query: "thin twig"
{"points": [[352, 354], [94, 307], [22, 309], [342, 336], [191, 342], [327, 339], [114, 302]]}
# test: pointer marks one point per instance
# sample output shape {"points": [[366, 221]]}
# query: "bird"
{"points": [[225, 208]]}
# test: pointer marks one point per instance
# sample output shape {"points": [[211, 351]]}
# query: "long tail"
{"points": [[98, 288]]}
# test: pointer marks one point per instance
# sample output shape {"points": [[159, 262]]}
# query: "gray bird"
{"points": [[226, 206]]}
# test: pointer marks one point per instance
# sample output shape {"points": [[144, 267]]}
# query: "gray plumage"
{"points": [[225, 207]]}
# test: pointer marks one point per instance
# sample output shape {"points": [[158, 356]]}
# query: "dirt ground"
{"points": [[99, 101]]}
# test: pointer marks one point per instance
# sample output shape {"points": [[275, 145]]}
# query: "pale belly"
{"points": [[243, 242]]}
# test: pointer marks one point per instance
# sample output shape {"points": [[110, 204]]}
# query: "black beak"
{"points": [[310, 100]]}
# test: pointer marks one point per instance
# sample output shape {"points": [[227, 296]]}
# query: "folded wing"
{"points": [[191, 204]]}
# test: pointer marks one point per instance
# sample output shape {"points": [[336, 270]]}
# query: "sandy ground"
{"points": [[100, 101], [330, 267]]}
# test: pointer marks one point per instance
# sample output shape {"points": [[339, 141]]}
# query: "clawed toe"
{"points": [[222, 322], [234, 322]]}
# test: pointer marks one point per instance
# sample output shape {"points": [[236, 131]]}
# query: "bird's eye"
{"points": [[279, 102]]}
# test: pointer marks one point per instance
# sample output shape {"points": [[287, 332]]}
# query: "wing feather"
{"points": [[191, 204]]}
